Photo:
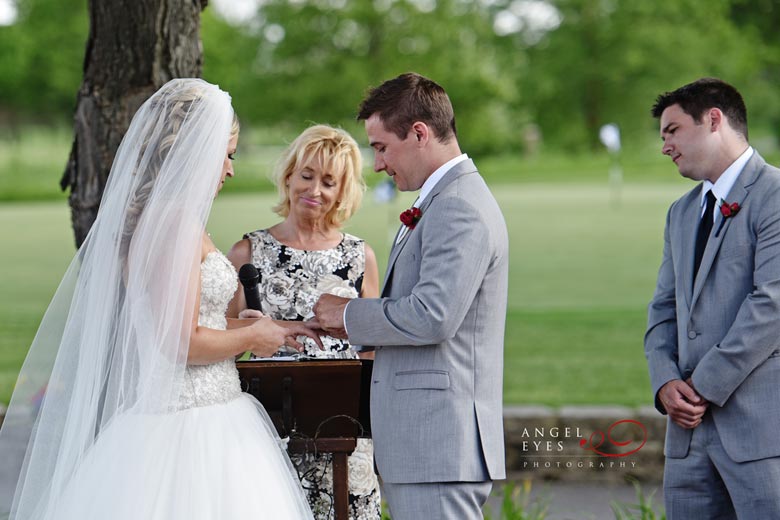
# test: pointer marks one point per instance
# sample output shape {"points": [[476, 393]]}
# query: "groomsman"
{"points": [[713, 334], [438, 327]]}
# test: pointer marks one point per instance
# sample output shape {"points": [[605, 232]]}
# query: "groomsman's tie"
{"points": [[705, 227]]}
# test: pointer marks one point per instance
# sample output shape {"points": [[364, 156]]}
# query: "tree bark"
{"points": [[134, 47]]}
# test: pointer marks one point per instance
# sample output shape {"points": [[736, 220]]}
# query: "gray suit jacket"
{"points": [[724, 330], [438, 329]]}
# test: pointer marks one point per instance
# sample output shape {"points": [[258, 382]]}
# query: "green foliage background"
{"points": [[300, 61]]}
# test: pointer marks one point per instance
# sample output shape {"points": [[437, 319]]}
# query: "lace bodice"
{"points": [[291, 281], [217, 382]]}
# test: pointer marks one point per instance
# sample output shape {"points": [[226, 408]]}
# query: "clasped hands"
{"points": [[683, 403], [328, 320]]}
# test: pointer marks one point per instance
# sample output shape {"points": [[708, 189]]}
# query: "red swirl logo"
{"points": [[597, 439]]}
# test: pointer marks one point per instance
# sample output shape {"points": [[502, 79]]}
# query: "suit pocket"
{"points": [[422, 380]]}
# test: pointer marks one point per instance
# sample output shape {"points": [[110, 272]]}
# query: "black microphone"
{"points": [[249, 279]]}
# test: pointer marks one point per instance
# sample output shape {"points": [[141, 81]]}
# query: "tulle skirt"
{"points": [[222, 461]]}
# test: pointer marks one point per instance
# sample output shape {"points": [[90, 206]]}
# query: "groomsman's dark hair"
{"points": [[410, 97], [701, 95]]}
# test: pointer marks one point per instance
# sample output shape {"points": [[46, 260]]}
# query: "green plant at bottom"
{"points": [[642, 510], [517, 503]]}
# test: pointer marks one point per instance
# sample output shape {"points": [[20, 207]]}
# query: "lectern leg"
{"points": [[340, 486]]}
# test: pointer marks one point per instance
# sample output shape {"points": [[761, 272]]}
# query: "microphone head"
{"points": [[248, 275]]}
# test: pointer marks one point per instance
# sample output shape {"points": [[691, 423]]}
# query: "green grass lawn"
{"points": [[583, 262]]}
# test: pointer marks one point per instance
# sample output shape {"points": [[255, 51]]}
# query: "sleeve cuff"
{"points": [[344, 318]]}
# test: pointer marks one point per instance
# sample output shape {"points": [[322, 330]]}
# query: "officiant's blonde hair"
{"points": [[339, 154]]}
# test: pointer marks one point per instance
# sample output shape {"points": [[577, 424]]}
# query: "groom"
{"points": [[713, 336], [438, 327]]}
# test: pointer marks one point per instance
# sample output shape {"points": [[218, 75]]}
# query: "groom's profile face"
{"points": [[397, 157], [687, 142]]}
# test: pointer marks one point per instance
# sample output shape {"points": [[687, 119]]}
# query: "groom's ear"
{"points": [[421, 132]]}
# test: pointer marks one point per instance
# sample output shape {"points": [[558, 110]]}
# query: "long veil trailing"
{"points": [[114, 340]]}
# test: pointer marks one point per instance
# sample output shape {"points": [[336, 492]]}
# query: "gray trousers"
{"points": [[708, 485], [436, 501]]}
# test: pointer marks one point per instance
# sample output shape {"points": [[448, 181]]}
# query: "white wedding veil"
{"points": [[115, 337]]}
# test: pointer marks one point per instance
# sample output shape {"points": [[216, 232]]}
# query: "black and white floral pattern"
{"points": [[291, 281]]}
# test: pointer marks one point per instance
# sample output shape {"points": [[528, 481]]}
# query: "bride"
{"points": [[129, 402]]}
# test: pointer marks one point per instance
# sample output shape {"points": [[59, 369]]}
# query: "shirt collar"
{"points": [[436, 176], [723, 185]]}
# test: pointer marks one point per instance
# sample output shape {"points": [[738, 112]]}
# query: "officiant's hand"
{"points": [[683, 404], [248, 314], [329, 314]]}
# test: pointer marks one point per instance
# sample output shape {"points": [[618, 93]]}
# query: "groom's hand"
{"points": [[329, 313], [684, 406]]}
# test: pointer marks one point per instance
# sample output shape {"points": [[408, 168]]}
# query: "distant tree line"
{"points": [[517, 70]]}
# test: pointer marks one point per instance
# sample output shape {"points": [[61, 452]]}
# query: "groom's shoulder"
{"points": [[467, 182]]}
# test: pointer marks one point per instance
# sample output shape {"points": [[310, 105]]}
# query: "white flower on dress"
{"points": [[333, 284], [362, 479], [318, 263], [305, 300], [278, 290]]}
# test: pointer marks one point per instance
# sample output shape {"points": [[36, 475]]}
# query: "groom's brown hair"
{"points": [[408, 98]]}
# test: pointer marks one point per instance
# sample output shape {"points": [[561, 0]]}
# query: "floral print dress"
{"points": [[291, 281]]}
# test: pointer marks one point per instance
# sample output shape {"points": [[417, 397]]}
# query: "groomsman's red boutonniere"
{"points": [[728, 211], [411, 217]]}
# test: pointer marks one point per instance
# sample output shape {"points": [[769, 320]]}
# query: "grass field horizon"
{"points": [[583, 261]]}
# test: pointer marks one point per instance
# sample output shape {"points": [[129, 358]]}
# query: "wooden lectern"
{"points": [[321, 404]]}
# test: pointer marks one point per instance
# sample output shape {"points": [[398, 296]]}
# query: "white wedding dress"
{"points": [[217, 456]]}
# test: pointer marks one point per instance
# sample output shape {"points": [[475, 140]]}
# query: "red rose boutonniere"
{"points": [[411, 217], [728, 211]]}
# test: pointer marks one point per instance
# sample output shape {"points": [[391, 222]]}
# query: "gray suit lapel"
{"points": [[460, 169], [739, 192]]}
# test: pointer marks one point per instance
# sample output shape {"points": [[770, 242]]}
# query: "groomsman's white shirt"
{"points": [[723, 185]]}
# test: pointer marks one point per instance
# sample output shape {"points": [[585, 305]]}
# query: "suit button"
{"points": [[691, 334]]}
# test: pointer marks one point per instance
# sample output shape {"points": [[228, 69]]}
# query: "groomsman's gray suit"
{"points": [[438, 329], [724, 332]]}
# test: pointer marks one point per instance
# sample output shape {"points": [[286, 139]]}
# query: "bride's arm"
{"points": [[262, 337]]}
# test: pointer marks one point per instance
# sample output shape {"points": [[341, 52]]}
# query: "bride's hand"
{"points": [[269, 335]]}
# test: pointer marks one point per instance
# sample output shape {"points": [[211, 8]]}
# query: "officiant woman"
{"points": [[320, 184]]}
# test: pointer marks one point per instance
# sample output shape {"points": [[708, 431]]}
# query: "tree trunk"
{"points": [[134, 47]]}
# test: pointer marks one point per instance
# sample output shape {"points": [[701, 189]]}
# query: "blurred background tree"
{"points": [[523, 74], [41, 55]]}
